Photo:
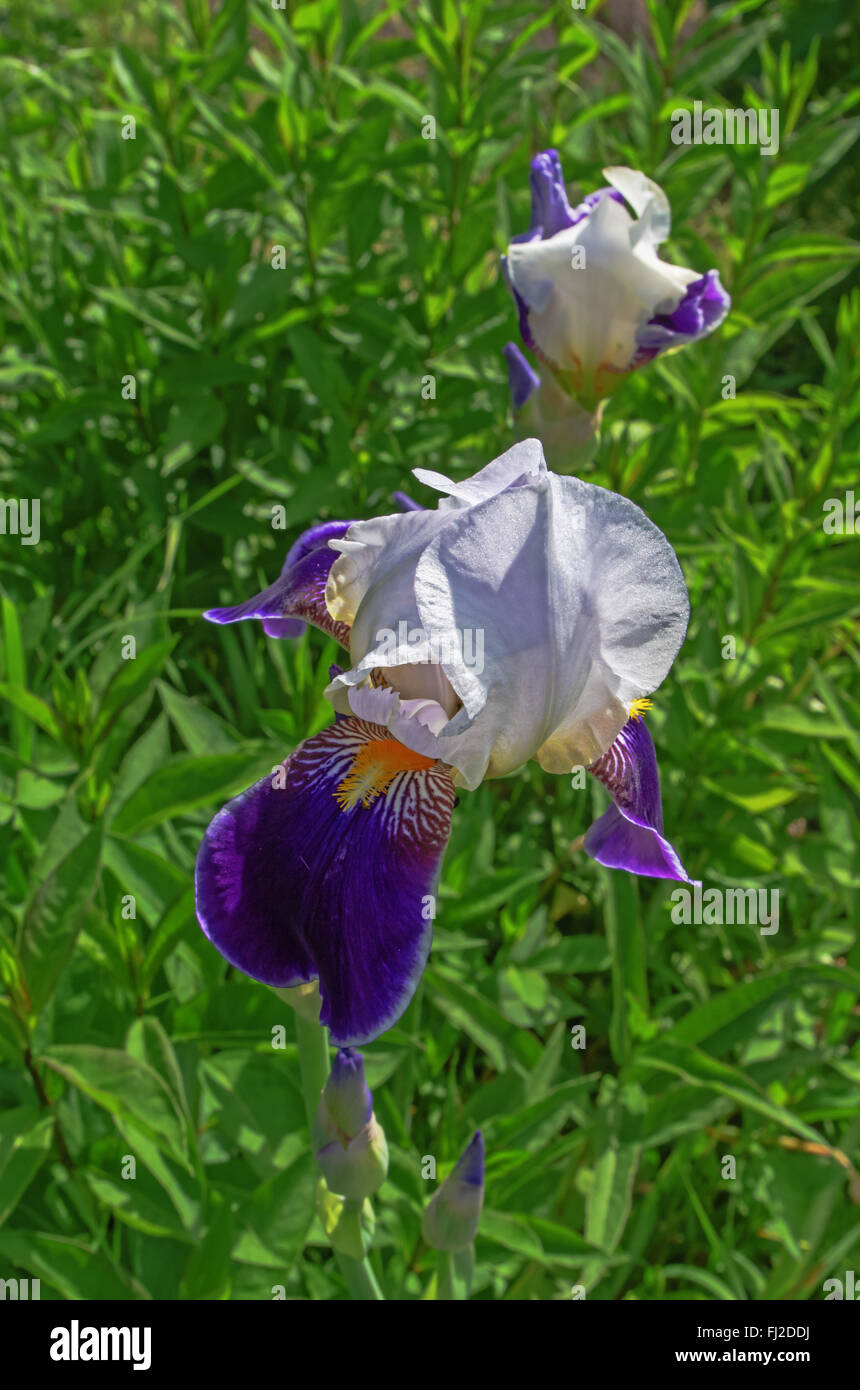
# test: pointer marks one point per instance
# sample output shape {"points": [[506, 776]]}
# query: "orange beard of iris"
{"points": [[376, 765]]}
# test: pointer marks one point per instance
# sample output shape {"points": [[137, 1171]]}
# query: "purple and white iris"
{"points": [[593, 297], [328, 868]]}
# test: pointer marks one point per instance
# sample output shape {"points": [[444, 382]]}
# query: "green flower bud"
{"points": [[451, 1217], [349, 1143], [348, 1225], [357, 1167]]}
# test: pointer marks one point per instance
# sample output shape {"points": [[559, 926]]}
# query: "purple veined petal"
{"points": [[327, 869], [704, 306], [630, 834], [523, 380], [297, 596]]}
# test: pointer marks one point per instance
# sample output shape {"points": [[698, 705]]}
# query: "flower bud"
{"points": [[349, 1143], [451, 1217], [346, 1095]]}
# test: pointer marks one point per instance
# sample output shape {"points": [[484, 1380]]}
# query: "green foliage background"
{"points": [[152, 257]]}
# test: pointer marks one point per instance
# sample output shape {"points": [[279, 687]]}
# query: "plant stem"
{"points": [[360, 1279], [314, 1063], [454, 1274]]}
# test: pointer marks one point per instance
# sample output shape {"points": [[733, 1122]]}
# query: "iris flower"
{"points": [[576, 604], [594, 299]]}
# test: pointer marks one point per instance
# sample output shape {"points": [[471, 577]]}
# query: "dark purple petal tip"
{"points": [[297, 596], [469, 1167], [551, 212], [630, 834], [346, 1094], [704, 306]]}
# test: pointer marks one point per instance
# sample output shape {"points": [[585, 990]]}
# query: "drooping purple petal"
{"points": [[297, 596], [327, 870], [702, 309], [522, 378], [630, 834]]}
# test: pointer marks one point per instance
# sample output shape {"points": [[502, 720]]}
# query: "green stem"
{"points": [[360, 1279], [314, 1065], [454, 1274]]}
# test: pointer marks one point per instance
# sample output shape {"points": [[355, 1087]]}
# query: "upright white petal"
{"points": [[576, 600], [584, 318], [647, 200], [520, 463], [373, 552], [583, 607]]}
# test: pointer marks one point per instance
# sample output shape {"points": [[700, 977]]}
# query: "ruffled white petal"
{"points": [[574, 597], [647, 200], [525, 460], [414, 723], [373, 551]]}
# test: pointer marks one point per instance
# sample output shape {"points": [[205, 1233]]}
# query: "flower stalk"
{"points": [[348, 1217], [454, 1275]]}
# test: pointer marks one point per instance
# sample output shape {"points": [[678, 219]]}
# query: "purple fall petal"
{"points": [[291, 887], [703, 308], [630, 834], [282, 627], [522, 307], [297, 597]]}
